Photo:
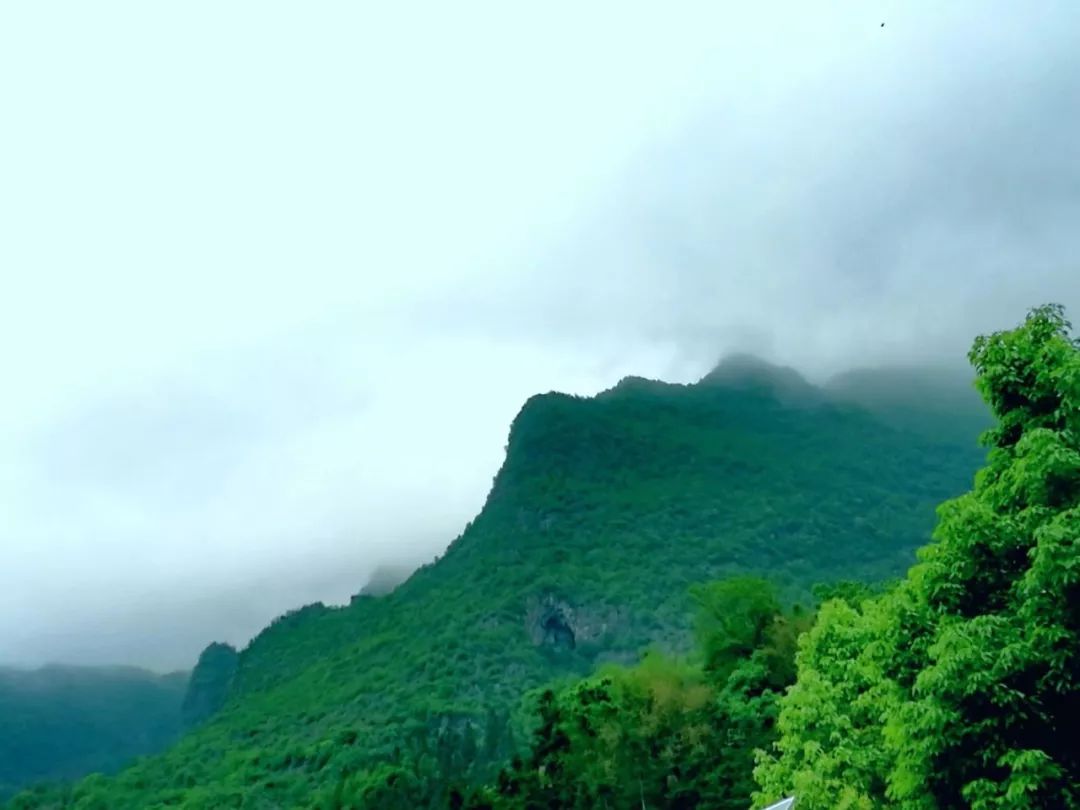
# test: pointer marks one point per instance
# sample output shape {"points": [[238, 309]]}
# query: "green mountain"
{"points": [[64, 722], [605, 512]]}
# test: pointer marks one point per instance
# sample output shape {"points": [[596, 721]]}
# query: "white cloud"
{"points": [[276, 278]]}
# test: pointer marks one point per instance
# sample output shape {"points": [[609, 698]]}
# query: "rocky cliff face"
{"points": [[557, 623]]}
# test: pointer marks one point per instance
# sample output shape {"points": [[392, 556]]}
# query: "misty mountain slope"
{"points": [[605, 511], [64, 722], [939, 402]]}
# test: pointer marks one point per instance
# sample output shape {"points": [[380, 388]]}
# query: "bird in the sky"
{"points": [[883, 25]]}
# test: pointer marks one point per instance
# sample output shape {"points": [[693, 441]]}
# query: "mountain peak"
{"points": [[385, 578], [748, 371]]}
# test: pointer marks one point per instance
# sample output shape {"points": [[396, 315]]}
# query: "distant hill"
{"points": [[64, 722], [939, 402], [605, 511], [745, 372]]}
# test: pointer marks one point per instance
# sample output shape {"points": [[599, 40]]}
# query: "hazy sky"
{"points": [[277, 276]]}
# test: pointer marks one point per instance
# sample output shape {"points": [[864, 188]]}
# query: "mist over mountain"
{"points": [[917, 398], [233, 371], [604, 514], [500, 406]]}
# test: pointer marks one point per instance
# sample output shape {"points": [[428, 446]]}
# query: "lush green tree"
{"points": [[960, 688], [732, 618], [830, 748], [619, 739]]}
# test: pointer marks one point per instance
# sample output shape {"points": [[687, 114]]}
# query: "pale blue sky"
{"points": [[273, 274]]}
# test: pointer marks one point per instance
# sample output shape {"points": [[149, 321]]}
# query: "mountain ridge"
{"points": [[605, 511]]}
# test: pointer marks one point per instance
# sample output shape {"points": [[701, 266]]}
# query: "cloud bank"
{"points": [[276, 280]]}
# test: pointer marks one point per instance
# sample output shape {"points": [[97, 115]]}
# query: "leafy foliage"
{"points": [[959, 688]]}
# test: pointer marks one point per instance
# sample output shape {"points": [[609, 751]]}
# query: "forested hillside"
{"points": [[605, 515], [64, 722]]}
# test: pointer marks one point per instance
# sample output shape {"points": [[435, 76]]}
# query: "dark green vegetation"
{"points": [[961, 686], [606, 514], [64, 722], [210, 682], [664, 733]]}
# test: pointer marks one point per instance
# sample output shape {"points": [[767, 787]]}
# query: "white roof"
{"points": [[786, 804]]}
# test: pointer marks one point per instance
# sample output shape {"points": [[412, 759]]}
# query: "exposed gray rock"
{"points": [[554, 622]]}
